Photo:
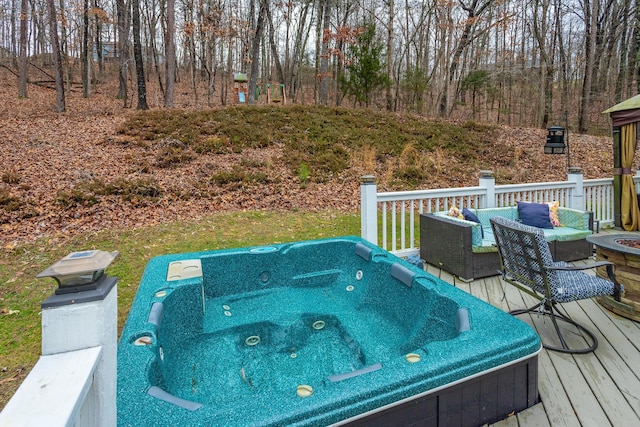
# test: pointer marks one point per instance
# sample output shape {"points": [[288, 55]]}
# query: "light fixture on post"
{"points": [[79, 271], [555, 143]]}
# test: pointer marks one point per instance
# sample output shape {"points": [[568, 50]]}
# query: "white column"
{"points": [[81, 320], [369, 209], [576, 200], [488, 182]]}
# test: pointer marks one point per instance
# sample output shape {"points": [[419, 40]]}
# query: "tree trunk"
{"points": [[64, 46], [255, 53], [224, 93], [39, 19], [22, 62], [634, 63], [465, 40], [190, 45], [591, 18], [98, 42], [340, 47], [86, 91], [60, 106], [298, 51], [323, 72], [123, 50], [272, 43], [607, 22], [540, 32], [389, 93], [152, 21], [624, 48], [11, 45], [137, 54], [318, 49], [563, 59], [170, 54]]}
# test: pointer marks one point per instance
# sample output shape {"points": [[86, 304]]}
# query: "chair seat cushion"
{"points": [[576, 285], [565, 234]]}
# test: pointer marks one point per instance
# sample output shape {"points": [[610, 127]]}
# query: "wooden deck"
{"points": [[596, 389]]}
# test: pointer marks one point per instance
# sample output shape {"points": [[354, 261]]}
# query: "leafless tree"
{"points": [[255, 52], [170, 54], [542, 32], [22, 57], [137, 53], [323, 70], [85, 50], [473, 10], [60, 106], [123, 18], [591, 9]]}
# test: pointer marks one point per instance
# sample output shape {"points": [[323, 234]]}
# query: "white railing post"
{"points": [[576, 201], [369, 209], [74, 381], [79, 320], [488, 182]]}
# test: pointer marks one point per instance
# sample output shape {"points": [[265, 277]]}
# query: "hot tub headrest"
{"points": [[462, 320], [156, 313], [402, 273], [363, 251]]}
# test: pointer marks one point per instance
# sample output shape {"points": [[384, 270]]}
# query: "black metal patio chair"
{"points": [[527, 264]]}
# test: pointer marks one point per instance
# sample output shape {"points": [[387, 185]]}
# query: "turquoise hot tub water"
{"points": [[308, 333]]}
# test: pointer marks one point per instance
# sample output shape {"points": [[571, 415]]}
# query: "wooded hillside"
{"points": [[99, 166]]}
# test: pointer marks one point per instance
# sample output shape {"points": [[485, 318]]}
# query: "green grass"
{"points": [[20, 333]]}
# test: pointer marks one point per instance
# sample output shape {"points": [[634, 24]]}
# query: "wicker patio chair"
{"points": [[526, 263]]}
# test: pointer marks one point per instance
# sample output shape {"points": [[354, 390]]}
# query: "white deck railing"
{"points": [[73, 384], [392, 219], [59, 391]]}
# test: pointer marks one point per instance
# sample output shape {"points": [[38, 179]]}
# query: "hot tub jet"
{"points": [[412, 357], [252, 340], [304, 390], [143, 340], [318, 324]]}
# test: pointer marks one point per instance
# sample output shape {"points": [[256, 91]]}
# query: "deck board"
{"points": [[555, 399], [534, 416], [616, 354], [596, 389], [607, 376], [511, 421]]}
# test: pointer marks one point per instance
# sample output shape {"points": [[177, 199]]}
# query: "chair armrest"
{"points": [[609, 266], [580, 220], [447, 242], [580, 267]]}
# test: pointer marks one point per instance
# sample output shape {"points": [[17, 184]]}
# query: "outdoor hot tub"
{"points": [[316, 333]]}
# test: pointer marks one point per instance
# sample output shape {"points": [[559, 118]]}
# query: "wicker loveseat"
{"points": [[461, 248]]}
